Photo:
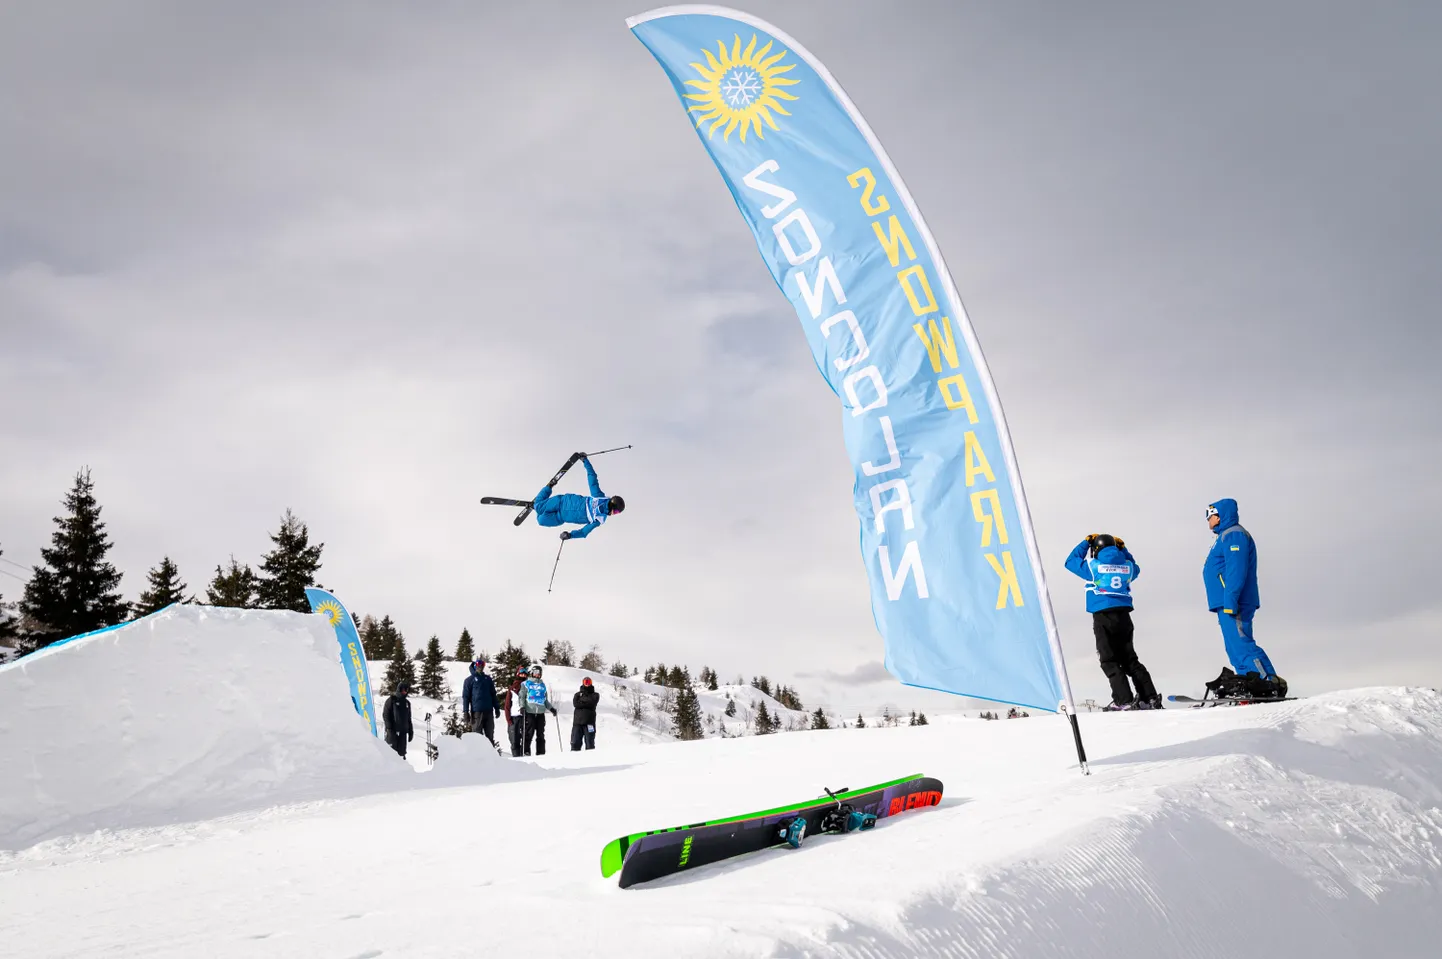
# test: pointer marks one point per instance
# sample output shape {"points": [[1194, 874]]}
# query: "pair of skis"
{"points": [[641, 857], [527, 505], [1207, 703]]}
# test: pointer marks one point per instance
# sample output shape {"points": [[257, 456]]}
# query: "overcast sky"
{"points": [[372, 261]]}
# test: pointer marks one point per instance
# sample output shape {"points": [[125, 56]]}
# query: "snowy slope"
{"points": [[1308, 828]]}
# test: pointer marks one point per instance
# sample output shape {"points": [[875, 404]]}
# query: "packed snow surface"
{"points": [[207, 789]]}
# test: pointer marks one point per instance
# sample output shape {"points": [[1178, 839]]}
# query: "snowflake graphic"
{"points": [[740, 88]]}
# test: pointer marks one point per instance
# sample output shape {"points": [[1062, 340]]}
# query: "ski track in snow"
{"points": [[1305, 828]]}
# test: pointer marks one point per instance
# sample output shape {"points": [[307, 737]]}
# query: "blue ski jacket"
{"points": [[1230, 572], [478, 695], [591, 511], [1109, 576]]}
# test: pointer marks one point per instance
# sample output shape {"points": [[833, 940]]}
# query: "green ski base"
{"points": [[613, 855]]}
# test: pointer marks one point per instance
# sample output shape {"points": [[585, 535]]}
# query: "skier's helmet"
{"points": [[1101, 541], [618, 505], [586, 681], [535, 669]]}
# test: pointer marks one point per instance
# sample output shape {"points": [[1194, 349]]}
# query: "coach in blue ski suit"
{"points": [[1230, 574], [478, 702], [589, 511], [1109, 569]]}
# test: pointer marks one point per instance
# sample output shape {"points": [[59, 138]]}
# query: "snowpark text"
{"points": [[936, 336]]}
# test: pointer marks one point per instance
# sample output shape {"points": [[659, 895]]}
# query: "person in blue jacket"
{"points": [[589, 511], [479, 708], [1109, 569], [1230, 574]]}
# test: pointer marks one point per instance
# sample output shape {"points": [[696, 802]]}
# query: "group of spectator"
{"points": [[524, 705]]}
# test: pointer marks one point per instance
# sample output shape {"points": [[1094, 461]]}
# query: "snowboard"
{"points": [[525, 503], [666, 852], [1227, 701]]}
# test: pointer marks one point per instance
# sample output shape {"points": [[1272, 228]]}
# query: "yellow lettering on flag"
{"points": [[976, 463], [893, 240], [989, 517], [939, 344], [1006, 571], [864, 175], [918, 306], [962, 399]]}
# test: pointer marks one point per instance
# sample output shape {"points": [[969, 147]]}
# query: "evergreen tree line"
{"points": [[75, 589]]}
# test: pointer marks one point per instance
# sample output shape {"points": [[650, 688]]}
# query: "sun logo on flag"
{"points": [[331, 610], [740, 89]]}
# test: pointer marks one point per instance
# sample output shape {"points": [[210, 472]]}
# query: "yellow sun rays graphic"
{"points": [[330, 609], [740, 89]]}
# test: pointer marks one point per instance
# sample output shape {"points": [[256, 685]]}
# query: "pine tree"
{"points": [[819, 720], [465, 647], [7, 621], [860, 722], [765, 725], [372, 639], [233, 586], [419, 655], [402, 667], [166, 587], [288, 569], [921, 719], [76, 590], [730, 706], [433, 674], [592, 660], [911, 720], [619, 670], [677, 678], [687, 722], [509, 661], [712, 682]]}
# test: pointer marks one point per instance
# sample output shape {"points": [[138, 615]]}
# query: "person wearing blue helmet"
{"points": [[1230, 575]]}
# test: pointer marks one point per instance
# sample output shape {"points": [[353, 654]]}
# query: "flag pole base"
{"points": [[1081, 750]]}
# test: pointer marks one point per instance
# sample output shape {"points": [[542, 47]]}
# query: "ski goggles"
{"points": [[1211, 511]]}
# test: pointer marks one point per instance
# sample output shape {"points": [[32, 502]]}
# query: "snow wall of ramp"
{"points": [[192, 712]]}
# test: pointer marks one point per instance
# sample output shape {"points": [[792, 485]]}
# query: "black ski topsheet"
{"points": [[666, 853], [1228, 701], [554, 480], [502, 501]]}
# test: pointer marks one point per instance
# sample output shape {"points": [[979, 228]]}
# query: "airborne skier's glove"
{"points": [[566, 534]]}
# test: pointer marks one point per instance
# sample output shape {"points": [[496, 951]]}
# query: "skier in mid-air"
{"points": [[1230, 574], [1109, 569], [590, 511]]}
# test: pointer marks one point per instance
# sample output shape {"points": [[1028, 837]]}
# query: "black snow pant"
{"points": [[580, 734], [1113, 628], [397, 741], [485, 724], [515, 734], [535, 726]]}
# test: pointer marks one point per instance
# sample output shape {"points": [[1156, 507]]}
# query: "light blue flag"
{"points": [[352, 652], [956, 583]]}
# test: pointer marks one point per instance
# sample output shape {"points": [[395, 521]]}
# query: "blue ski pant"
{"points": [[1242, 648]]}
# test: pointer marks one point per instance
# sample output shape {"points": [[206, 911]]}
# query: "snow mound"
{"points": [[189, 713]]}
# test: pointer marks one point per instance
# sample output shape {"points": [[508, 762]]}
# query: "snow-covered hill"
{"points": [[1310, 828]]}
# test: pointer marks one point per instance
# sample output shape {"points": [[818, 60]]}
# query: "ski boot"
{"points": [[1228, 685], [793, 832], [1264, 687]]}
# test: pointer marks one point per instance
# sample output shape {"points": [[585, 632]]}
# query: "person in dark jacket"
{"points": [[555, 509], [510, 706], [1230, 575], [583, 720], [397, 716], [478, 702], [1109, 569]]}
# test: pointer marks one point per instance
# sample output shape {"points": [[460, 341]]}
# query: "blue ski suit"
{"points": [[591, 511], [1230, 575], [1109, 576]]}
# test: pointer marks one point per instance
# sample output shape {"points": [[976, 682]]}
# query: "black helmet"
{"points": [[617, 504], [1101, 541]]}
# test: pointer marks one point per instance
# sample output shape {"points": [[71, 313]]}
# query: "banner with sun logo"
{"points": [[352, 652], [956, 582]]}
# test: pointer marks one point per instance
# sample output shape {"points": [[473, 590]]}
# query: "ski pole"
{"points": [[613, 449], [553, 567]]}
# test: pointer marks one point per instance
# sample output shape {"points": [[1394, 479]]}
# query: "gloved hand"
{"points": [[410, 737], [580, 455], [1121, 543], [498, 712], [566, 534], [554, 713]]}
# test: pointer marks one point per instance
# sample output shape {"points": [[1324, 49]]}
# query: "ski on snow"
{"points": [[1227, 701], [641, 857], [525, 504]]}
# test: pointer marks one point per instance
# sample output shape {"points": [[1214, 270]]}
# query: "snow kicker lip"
{"points": [[668, 852], [613, 854]]}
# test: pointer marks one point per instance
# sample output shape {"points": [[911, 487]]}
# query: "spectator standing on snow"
{"points": [[397, 716], [1109, 569], [478, 701], [512, 708], [1230, 574], [535, 701], [583, 720]]}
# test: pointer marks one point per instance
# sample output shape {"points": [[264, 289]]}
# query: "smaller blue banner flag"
{"points": [[352, 653]]}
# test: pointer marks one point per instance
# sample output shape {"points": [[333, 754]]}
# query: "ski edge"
{"points": [[613, 854]]}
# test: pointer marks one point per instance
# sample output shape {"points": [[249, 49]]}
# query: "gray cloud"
{"points": [[373, 262]]}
